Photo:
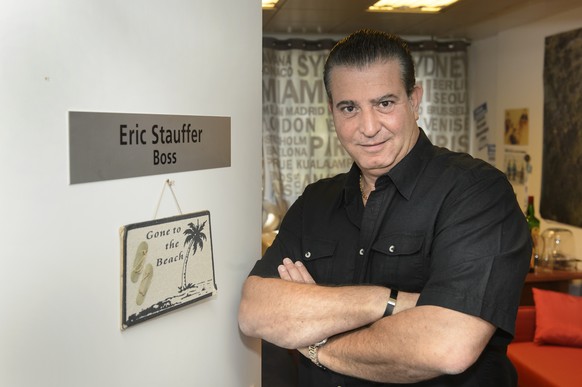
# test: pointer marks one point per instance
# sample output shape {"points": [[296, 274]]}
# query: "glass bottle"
{"points": [[534, 228]]}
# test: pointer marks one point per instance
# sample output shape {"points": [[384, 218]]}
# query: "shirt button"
{"points": [[361, 253], [308, 254], [391, 248]]}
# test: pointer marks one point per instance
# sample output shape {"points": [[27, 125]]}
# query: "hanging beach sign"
{"points": [[166, 264]]}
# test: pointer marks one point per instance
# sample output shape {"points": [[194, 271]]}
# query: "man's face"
{"points": [[374, 118]]}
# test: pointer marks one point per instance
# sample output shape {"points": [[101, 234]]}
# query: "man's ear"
{"points": [[415, 99]]}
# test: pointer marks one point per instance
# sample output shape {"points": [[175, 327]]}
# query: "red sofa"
{"points": [[542, 365]]}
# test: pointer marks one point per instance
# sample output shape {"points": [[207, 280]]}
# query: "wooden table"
{"points": [[556, 280]]}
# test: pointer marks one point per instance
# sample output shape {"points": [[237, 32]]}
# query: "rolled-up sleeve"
{"points": [[480, 253]]}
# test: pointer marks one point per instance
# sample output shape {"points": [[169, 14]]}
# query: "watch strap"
{"points": [[391, 303], [312, 352]]}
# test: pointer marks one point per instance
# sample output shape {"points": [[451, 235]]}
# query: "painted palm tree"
{"points": [[195, 237]]}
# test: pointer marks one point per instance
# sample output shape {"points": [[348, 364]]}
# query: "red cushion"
{"points": [[546, 365], [525, 324], [558, 318]]}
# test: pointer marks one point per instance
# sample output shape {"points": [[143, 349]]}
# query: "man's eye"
{"points": [[348, 109], [386, 103]]}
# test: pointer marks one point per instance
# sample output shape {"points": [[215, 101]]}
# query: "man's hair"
{"points": [[366, 47]]}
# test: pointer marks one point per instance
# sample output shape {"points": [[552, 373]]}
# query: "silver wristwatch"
{"points": [[313, 353]]}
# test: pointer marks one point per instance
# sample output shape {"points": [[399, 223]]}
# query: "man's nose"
{"points": [[369, 125]]}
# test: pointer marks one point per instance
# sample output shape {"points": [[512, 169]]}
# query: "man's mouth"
{"points": [[373, 145]]}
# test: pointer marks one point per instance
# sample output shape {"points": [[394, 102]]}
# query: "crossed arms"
{"points": [[414, 344]]}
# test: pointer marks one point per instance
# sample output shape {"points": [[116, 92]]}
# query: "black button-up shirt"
{"points": [[440, 223]]}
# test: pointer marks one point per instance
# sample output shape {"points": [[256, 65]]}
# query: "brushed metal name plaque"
{"points": [[107, 146]]}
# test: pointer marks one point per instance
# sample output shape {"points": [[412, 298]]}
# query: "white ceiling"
{"points": [[467, 19]]}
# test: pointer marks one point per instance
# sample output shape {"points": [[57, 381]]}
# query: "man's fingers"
{"points": [[304, 273], [283, 273], [293, 271]]}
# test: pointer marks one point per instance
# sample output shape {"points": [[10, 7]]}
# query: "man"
{"points": [[406, 269]]}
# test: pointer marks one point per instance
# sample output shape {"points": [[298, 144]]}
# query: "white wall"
{"points": [[59, 244], [506, 71]]}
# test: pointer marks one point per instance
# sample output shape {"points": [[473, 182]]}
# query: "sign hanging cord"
{"points": [[169, 183]]}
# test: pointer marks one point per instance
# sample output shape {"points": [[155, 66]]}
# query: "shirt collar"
{"points": [[404, 175], [352, 185]]}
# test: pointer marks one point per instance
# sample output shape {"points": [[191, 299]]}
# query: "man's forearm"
{"points": [[418, 344], [294, 315]]}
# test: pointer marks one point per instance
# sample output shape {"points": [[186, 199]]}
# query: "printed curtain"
{"points": [[299, 141]]}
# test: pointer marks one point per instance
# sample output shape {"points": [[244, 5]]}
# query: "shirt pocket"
{"points": [[397, 260], [317, 257]]}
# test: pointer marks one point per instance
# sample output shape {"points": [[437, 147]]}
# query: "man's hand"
{"points": [[405, 301], [295, 272]]}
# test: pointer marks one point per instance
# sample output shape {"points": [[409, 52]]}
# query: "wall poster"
{"points": [[516, 127], [166, 264], [517, 169], [561, 198], [481, 125]]}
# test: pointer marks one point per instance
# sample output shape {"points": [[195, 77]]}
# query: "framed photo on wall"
{"points": [[516, 126]]}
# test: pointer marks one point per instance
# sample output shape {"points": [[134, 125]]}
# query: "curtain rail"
{"points": [[327, 44], [302, 44]]}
